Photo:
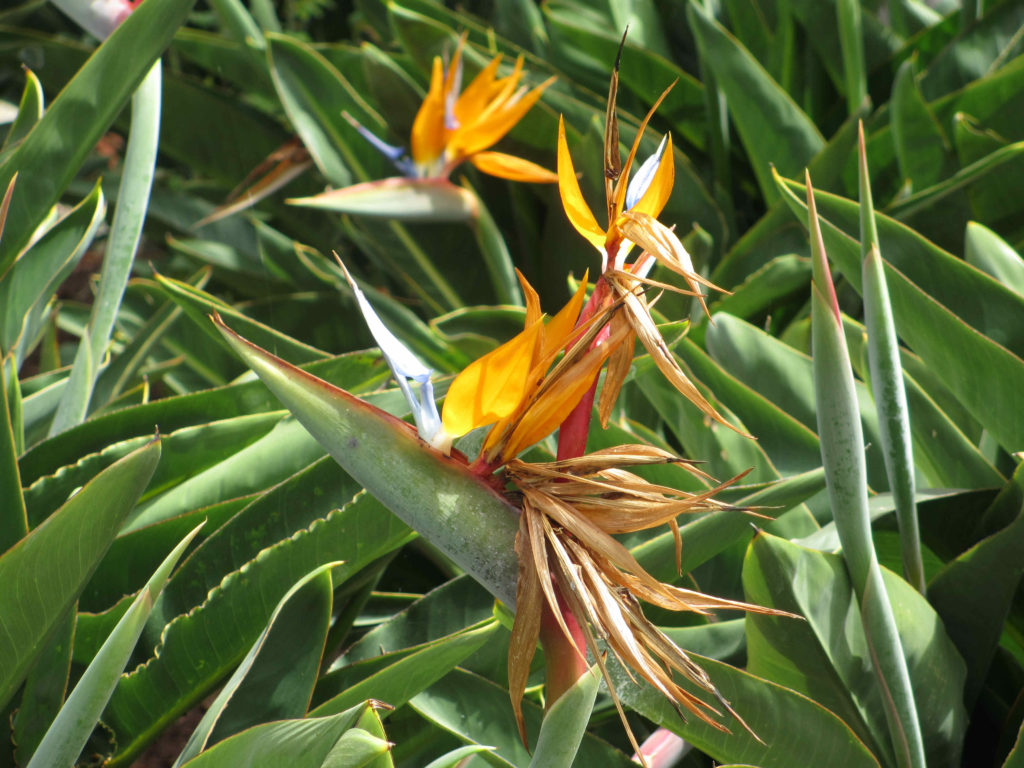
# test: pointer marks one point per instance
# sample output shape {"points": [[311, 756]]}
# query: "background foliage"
{"points": [[302, 597]]}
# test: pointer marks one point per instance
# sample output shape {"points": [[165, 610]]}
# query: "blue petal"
{"points": [[644, 175], [396, 155]]}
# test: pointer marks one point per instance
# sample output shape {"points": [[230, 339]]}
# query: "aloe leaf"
{"points": [[842, 445], [755, 100], [30, 283], [198, 648], [75, 722], [305, 743], [126, 230], [887, 383], [77, 536], [565, 722], [435, 495], [46, 160], [275, 679]]}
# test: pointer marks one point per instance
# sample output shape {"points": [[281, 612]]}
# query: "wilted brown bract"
{"points": [[571, 508]]}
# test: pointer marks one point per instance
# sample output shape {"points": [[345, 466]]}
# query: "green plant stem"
{"points": [[132, 202], [887, 383], [842, 451]]}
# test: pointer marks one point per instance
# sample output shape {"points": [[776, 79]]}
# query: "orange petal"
{"points": [[494, 124], [493, 386], [572, 198], [623, 182], [657, 194], [510, 167], [475, 97], [533, 313], [428, 138], [561, 326]]}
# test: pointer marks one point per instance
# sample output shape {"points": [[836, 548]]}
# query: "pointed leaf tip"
{"points": [[822, 276]]}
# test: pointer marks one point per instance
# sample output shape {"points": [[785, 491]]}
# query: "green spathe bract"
{"points": [[454, 510]]}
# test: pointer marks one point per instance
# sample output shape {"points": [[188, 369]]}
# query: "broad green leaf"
{"points": [[275, 679], [74, 723], [851, 45], [46, 160], [768, 708], [478, 712], [45, 688], [974, 592], [184, 453], [828, 658], [922, 148], [766, 287], [454, 758], [398, 676], [990, 253], [303, 743], [30, 283], [199, 648], [77, 536], [755, 100], [263, 520], [565, 723], [495, 253], [464, 518]]}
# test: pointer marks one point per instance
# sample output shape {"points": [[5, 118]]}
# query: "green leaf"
{"points": [[974, 592], [200, 647], [477, 711], [30, 283], [495, 253], [942, 308], [30, 112], [922, 148], [828, 656], [13, 519], [842, 453], [768, 708], [565, 723], [47, 160], [464, 518], [851, 44], [275, 679], [76, 536], [755, 100], [297, 743], [398, 676], [126, 230], [198, 305], [73, 725], [990, 253]]}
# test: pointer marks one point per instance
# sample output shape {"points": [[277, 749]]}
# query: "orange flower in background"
{"points": [[455, 125]]}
